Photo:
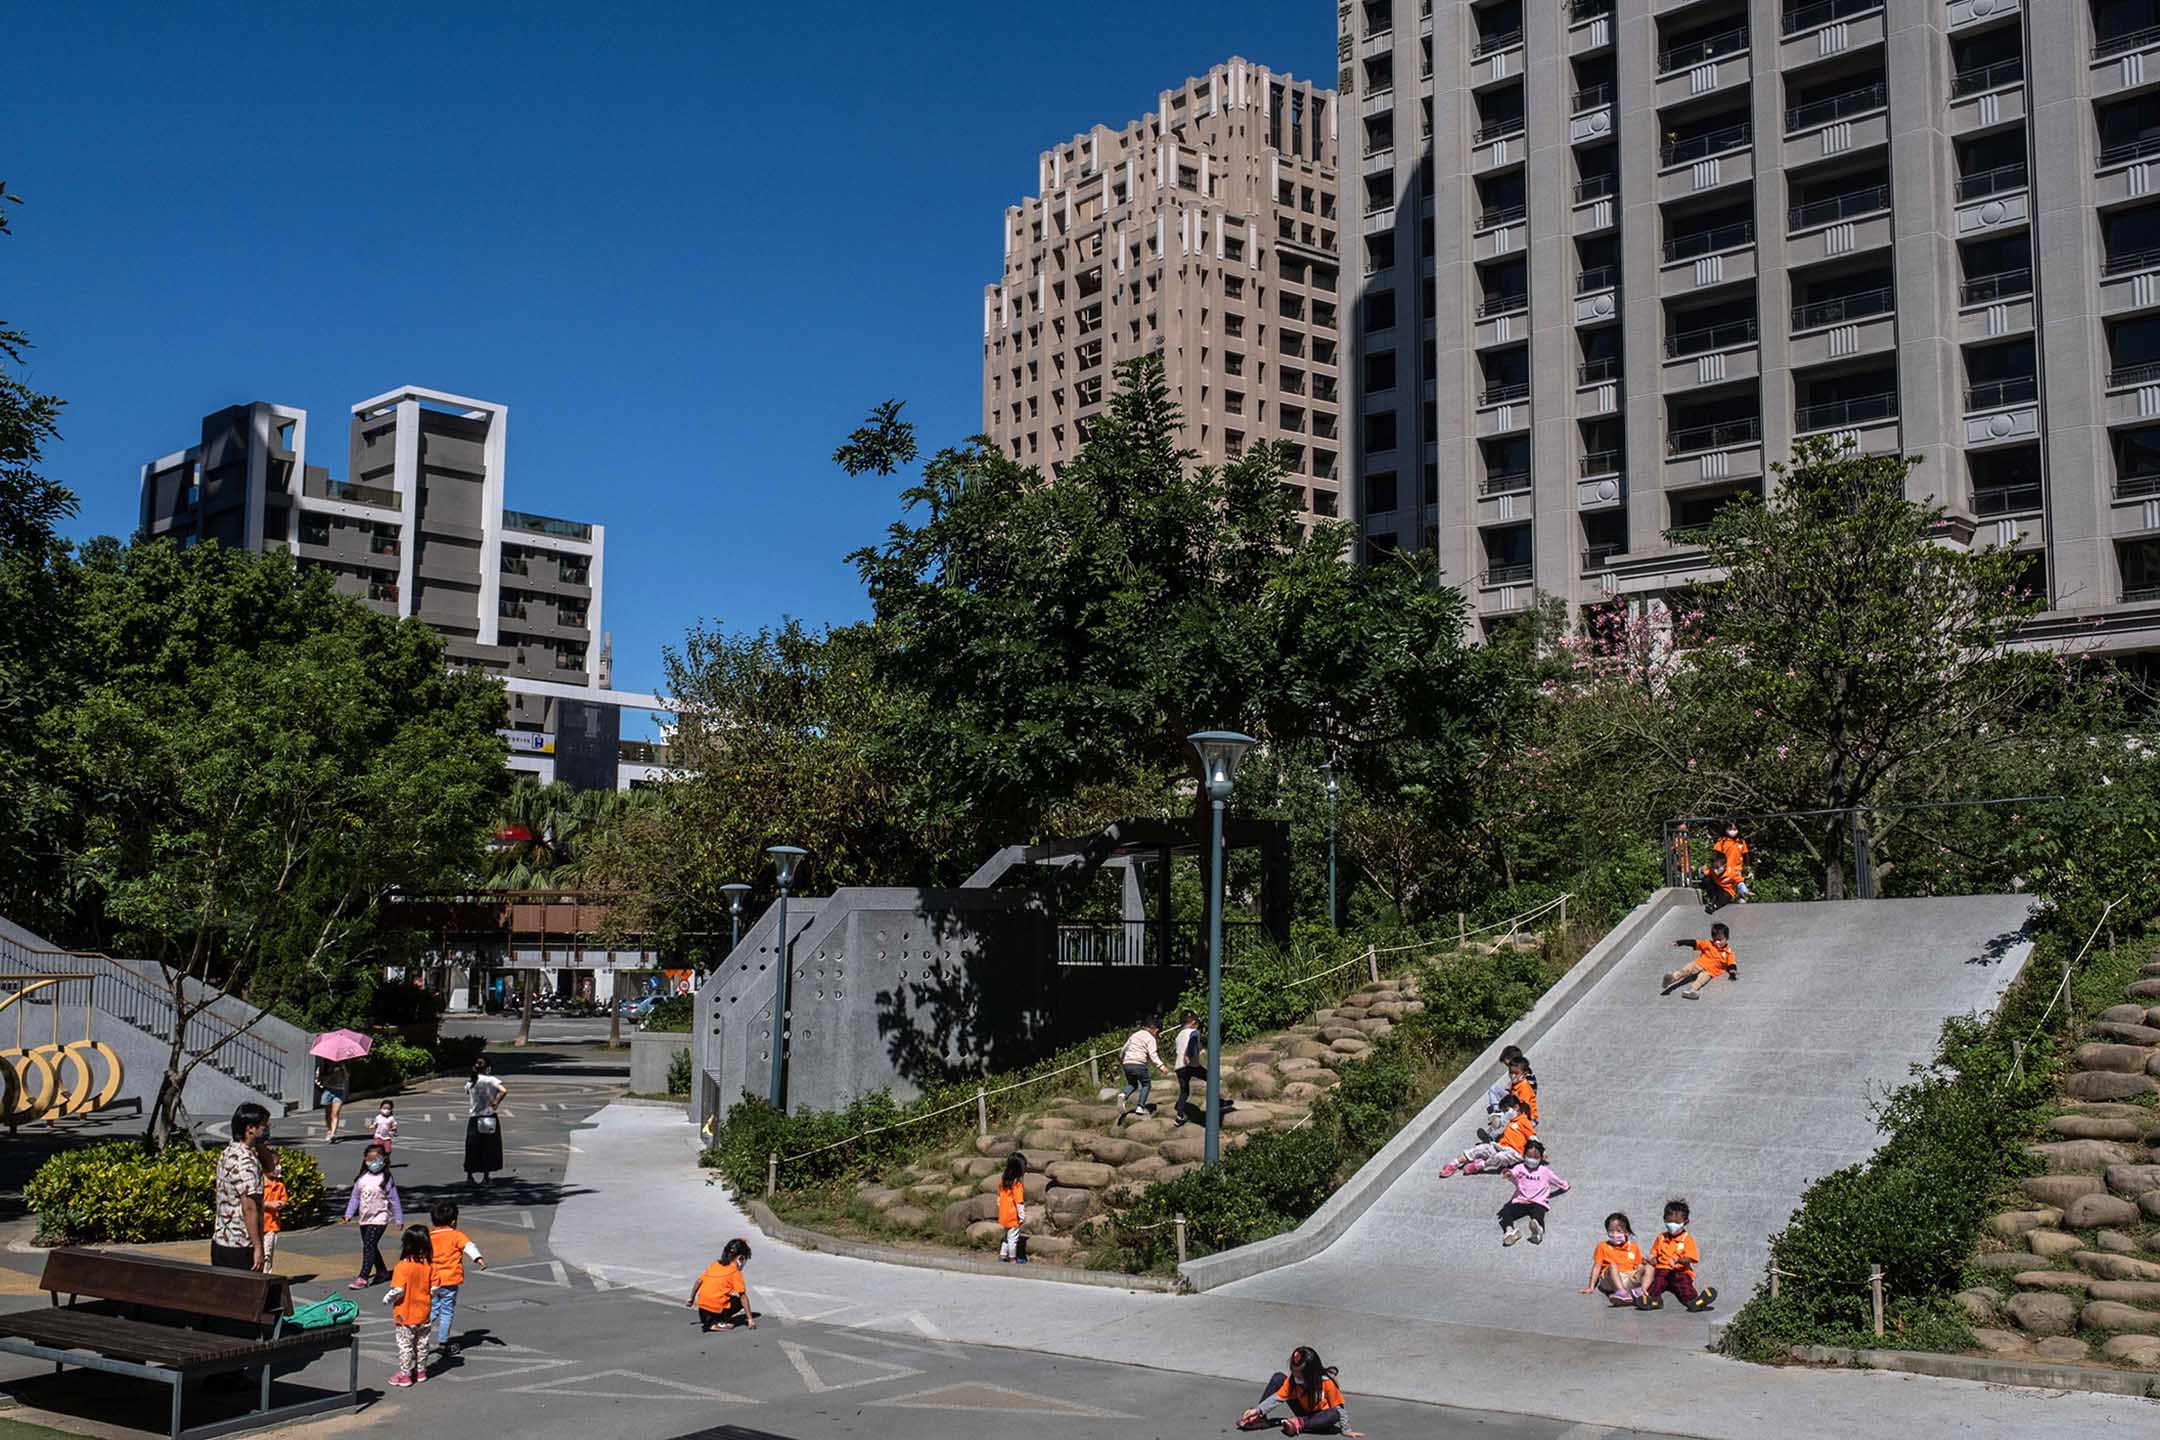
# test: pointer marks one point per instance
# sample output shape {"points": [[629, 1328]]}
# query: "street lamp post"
{"points": [[1220, 751], [734, 895], [785, 859], [1328, 770]]}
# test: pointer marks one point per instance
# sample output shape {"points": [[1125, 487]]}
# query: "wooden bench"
{"points": [[176, 1323]]}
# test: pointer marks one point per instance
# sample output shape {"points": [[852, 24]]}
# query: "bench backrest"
{"points": [[168, 1284]]}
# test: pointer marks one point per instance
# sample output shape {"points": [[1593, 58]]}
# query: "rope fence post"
{"points": [[1094, 1076], [982, 1111], [1773, 1282], [1372, 959], [772, 1172], [1875, 1296], [1180, 1239], [1460, 933]]}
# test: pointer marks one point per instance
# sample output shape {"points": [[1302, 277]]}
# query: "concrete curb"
{"points": [[761, 1214], [2031, 1374], [1326, 1225]]}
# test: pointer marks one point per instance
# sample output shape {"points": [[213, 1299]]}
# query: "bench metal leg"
{"points": [[179, 1387]]}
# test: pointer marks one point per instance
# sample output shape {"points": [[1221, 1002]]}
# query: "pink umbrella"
{"points": [[339, 1045]]}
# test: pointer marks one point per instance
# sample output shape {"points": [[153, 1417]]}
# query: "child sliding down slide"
{"points": [[1498, 1154], [1617, 1266], [1535, 1188]]}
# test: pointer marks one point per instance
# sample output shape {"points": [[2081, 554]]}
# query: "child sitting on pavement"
{"points": [[1673, 1258], [1713, 957], [721, 1299], [1617, 1266], [1306, 1400], [1535, 1187], [1497, 1154]]}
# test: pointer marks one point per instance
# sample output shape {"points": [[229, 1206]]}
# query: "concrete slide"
{"points": [[1735, 1101]]}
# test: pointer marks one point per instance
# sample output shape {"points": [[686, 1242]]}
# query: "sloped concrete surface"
{"points": [[1735, 1101]]}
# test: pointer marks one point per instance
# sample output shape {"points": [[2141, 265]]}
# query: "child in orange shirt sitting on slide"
{"points": [[1498, 1154], [1673, 1258], [1617, 1266], [1713, 957]]}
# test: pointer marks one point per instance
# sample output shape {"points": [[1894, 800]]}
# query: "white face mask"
{"points": [[1532, 1164], [1618, 1237], [1674, 1227]]}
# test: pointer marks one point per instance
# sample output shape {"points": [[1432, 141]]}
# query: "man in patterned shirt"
{"points": [[236, 1237]]}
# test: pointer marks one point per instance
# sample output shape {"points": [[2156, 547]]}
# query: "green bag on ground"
{"points": [[317, 1314]]}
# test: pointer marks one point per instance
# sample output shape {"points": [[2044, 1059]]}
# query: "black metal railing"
{"points": [[1505, 574], [1987, 77], [1493, 44], [1595, 187], [2003, 285], [1998, 180], [2146, 144], [1502, 393], [1836, 311], [1589, 97], [1704, 242], [1714, 437], [1596, 277], [1851, 846], [1711, 337], [1499, 482], [1686, 535], [1822, 12], [1493, 305], [1831, 414], [1600, 462], [1597, 557], [1493, 130], [1696, 52], [2144, 374], [1701, 147], [2006, 499], [1835, 107], [2140, 594], [1594, 372], [1866, 201], [2125, 42], [2132, 487], [1501, 215], [1154, 942], [1588, 9], [2129, 261], [2009, 390]]}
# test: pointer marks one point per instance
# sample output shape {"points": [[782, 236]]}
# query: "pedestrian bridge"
{"points": [[1735, 1102]]}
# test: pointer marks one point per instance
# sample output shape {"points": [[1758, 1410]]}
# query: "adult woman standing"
{"points": [[484, 1095], [333, 1082]]}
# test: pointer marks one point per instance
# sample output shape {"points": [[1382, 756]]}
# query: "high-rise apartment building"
{"points": [[1580, 327], [1205, 232], [420, 529]]}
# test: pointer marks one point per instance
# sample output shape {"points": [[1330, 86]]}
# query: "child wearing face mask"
{"points": [[1616, 1265], [1535, 1188], [1517, 1081], [375, 1205], [721, 1299], [1673, 1258], [1515, 1135], [386, 1125]]}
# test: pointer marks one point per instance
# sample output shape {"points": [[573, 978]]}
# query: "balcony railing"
{"points": [[2131, 260], [1714, 142], [1597, 557], [2003, 285], [1988, 77], [2146, 144], [1866, 201], [1502, 215], [1493, 130], [1502, 304], [1714, 437], [1711, 337], [1696, 52], [1832, 414], [1994, 394], [1505, 574], [1595, 187], [2124, 375], [1842, 308], [1502, 393], [2006, 499], [1596, 372], [1493, 44], [1589, 97], [1807, 17], [1835, 107], [2139, 594], [2127, 41], [2132, 487], [1596, 277], [546, 525], [1600, 462], [2000, 180], [353, 493], [1588, 9], [1499, 482], [1703, 242]]}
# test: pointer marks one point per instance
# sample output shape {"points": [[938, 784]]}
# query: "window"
{"points": [[1380, 370], [1379, 251], [1380, 496], [1379, 432], [1380, 311]]}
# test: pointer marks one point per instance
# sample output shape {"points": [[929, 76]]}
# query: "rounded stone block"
{"points": [[1050, 1247], [1300, 1092], [2107, 1085], [2073, 1157], [1258, 1055], [2115, 1242], [1184, 1149], [2095, 1127], [2133, 1179], [2121, 1059], [2009, 1224], [2148, 989], [1080, 1174], [955, 1218], [2068, 1281], [2041, 1312], [1047, 1142], [1350, 1049], [1175, 1171], [1978, 1305], [998, 1145], [2103, 1266], [986, 1232], [1033, 1185], [2001, 1342], [1039, 1159], [1376, 1027], [2062, 1349], [2118, 1033], [2002, 1262], [1295, 1066], [1325, 1079], [2088, 1211], [1332, 1033], [2060, 1190], [1111, 1150], [2140, 1350], [1146, 1168], [1258, 1082], [2052, 1244], [1069, 1205], [1147, 1131], [2126, 1292], [2122, 1015], [1311, 1049], [1244, 1119], [2149, 1203], [974, 1167], [2119, 1319]]}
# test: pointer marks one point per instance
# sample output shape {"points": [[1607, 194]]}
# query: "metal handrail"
{"points": [[1502, 304], [2130, 149], [1711, 337], [1695, 52], [1714, 142], [1597, 557], [2133, 595], [2003, 285], [1987, 77], [1702, 242], [1713, 437], [2131, 487], [1836, 311], [1590, 97], [1596, 187], [1994, 394], [1505, 215], [1597, 277], [1603, 368], [2128, 40], [1500, 394], [1997, 181], [1829, 414], [2144, 374], [1836, 107], [2006, 499], [1499, 130], [1500, 482], [1588, 9], [1807, 17], [2134, 260], [1600, 462], [1865, 201], [1492, 44], [1505, 574]]}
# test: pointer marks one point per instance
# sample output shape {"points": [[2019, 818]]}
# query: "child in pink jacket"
{"points": [[1535, 1187]]}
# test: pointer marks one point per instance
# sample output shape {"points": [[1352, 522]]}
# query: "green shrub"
{"points": [[396, 1003], [678, 1073], [677, 1013], [391, 1065], [1258, 1190], [122, 1191]]}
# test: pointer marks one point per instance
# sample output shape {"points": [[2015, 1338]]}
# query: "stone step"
{"points": [[2073, 1157], [2118, 1059], [2096, 1127], [2124, 1034], [2108, 1085]]}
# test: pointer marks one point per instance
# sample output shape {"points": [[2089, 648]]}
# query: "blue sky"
{"points": [[688, 245]]}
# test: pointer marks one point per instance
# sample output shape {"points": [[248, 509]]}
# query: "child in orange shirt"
{"points": [[411, 1289], [1732, 853], [1713, 957], [273, 1203], [452, 1247], [1305, 1401], [1498, 1154], [1012, 1209], [1617, 1266], [721, 1298], [1673, 1258]]}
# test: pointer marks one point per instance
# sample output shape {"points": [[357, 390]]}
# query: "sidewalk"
{"points": [[639, 1214]]}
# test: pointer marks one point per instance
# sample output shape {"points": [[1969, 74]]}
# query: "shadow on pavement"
{"points": [[144, 1406]]}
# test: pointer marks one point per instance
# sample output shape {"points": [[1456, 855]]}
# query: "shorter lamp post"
{"points": [[1220, 751], [1333, 789], [734, 893], [785, 859]]}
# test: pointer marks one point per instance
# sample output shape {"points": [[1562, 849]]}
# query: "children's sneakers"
{"points": [[1475, 1167], [401, 1379], [1510, 1235], [1691, 994], [1703, 1300], [1647, 1302], [1448, 1170], [419, 1377], [1537, 1232]]}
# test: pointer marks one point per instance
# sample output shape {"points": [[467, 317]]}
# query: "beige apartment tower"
{"points": [[1206, 232]]}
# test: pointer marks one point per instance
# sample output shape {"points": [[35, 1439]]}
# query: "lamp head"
{"points": [[1327, 775], [785, 859], [1220, 751], [735, 893]]}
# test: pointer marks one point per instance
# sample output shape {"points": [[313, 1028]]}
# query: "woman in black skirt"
{"points": [[484, 1095]]}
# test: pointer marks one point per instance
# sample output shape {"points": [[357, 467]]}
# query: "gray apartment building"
{"points": [[1206, 232], [1578, 328], [420, 529]]}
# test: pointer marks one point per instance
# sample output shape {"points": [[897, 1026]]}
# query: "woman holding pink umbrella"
{"points": [[333, 1080]]}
